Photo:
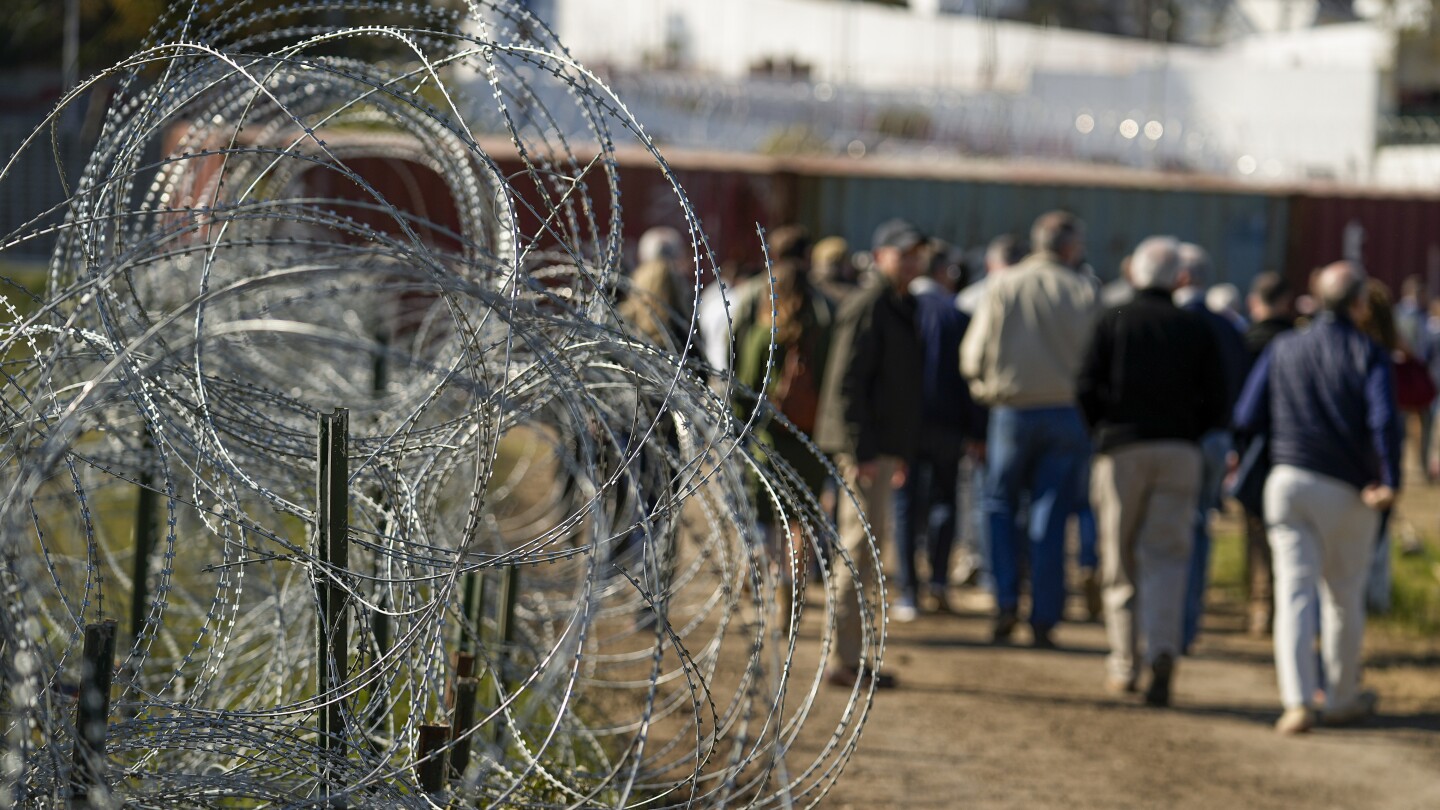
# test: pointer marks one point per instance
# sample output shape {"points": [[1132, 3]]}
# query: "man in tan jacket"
{"points": [[1021, 355]]}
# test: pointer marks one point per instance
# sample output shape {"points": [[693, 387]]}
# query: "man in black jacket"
{"points": [[1150, 387], [1270, 304], [870, 413]]}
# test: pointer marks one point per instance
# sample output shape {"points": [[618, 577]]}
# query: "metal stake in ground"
{"points": [[332, 521], [92, 718], [432, 763]]}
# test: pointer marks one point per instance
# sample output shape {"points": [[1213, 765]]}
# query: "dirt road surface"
{"points": [[975, 725]]}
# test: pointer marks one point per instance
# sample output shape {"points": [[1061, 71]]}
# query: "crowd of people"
{"points": [[973, 415]]}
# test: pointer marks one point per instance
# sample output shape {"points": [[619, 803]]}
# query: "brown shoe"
{"points": [[1121, 686], [1158, 693], [1296, 720], [1004, 627], [937, 602]]}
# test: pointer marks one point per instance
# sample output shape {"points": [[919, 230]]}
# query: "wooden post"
{"points": [[431, 765], [332, 519], [462, 703], [92, 717]]}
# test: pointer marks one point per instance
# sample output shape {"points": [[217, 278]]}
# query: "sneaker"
{"points": [[1158, 693], [904, 612], [1004, 627], [1121, 686], [1296, 720], [1362, 708], [1090, 585], [848, 676]]}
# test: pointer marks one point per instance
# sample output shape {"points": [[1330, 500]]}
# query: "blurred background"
{"points": [[1280, 133]]}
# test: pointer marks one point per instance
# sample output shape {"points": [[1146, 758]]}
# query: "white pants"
{"points": [[1321, 536]]}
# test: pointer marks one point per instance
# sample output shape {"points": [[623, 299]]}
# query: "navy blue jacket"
{"points": [[946, 396], [1326, 398]]}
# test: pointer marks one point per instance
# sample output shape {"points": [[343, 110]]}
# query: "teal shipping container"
{"points": [[1245, 231]]}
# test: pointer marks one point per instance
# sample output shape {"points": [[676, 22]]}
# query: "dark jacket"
{"points": [[1234, 360], [1152, 372], [1261, 333], [1326, 397], [872, 397], [945, 395]]}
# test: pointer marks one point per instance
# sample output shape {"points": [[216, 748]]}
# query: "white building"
{"points": [[1294, 103]]}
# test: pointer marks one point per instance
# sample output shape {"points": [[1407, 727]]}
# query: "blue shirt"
{"points": [[1326, 397]]}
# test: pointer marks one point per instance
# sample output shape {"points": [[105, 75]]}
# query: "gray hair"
{"points": [[1155, 264], [1195, 263], [659, 244]]}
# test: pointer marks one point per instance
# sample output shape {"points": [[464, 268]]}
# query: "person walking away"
{"points": [[659, 303], [790, 372], [926, 510], [1020, 356], [1326, 397], [832, 269], [1215, 446], [1414, 392], [1150, 387], [1003, 252], [869, 408], [1429, 352], [1271, 315]]}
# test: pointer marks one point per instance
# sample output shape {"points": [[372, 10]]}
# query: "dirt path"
{"points": [[1009, 727]]}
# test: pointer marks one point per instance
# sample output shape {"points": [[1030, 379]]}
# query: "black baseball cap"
{"points": [[897, 233]]}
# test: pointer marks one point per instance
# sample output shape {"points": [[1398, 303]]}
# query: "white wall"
{"points": [[1408, 167], [1285, 105], [863, 44]]}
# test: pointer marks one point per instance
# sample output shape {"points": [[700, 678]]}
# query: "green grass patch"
{"points": [[1415, 593], [1415, 587]]}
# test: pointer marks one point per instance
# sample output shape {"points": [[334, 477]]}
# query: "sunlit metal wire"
{"points": [[254, 242]]}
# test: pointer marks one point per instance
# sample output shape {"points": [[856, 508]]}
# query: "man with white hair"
{"points": [[1325, 396], [1215, 446], [1149, 388]]}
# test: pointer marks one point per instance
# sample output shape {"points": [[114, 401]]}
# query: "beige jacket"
{"points": [[1024, 347]]}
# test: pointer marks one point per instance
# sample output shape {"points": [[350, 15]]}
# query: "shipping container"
{"points": [[1393, 236], [1244, 232]]}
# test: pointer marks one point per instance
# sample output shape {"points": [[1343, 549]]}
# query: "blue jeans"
{"points": [[925, 510], [1214, 447], [1041, 451]]}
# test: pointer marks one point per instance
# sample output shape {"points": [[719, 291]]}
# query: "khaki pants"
{"points": [[1145, 497], [851, 586]]}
